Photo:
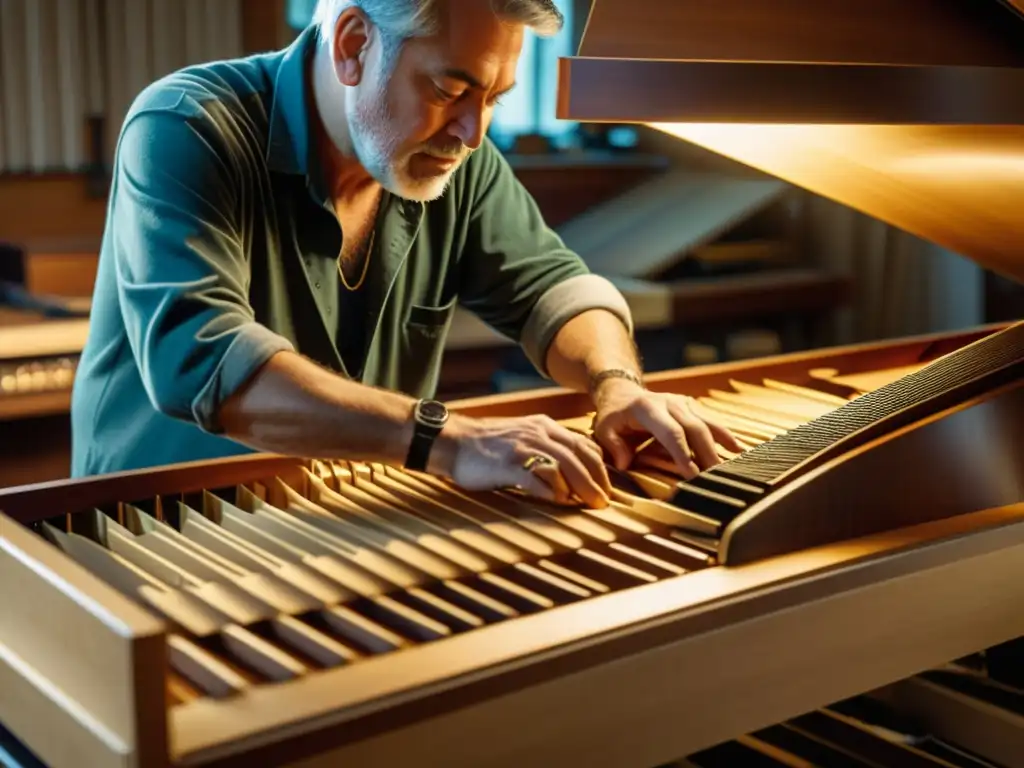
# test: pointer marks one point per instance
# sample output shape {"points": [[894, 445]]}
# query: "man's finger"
{"points": [[612, 441], [579, 479], [534, 486], [722, 434], [667, 431], [593, 459], [589, 453], [698, 434], [540, 478]]}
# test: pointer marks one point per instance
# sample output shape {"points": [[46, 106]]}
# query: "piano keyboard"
{"points": [[942, 718], [360, 560], [279, 578], [264, 592]]}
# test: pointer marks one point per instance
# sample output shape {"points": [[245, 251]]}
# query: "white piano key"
{"points": [[449, 560], [395, 561], [491, 519], [462, 529]]}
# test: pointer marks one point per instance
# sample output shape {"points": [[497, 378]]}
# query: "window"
{"points": [[530, 108]]}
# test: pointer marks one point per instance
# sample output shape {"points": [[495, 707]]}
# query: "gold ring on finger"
{"points": [[537, 460]]}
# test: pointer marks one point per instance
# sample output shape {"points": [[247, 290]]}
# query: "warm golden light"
{"points": [[959, 186], [1002, 166]]}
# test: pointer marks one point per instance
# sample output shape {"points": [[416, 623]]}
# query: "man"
{"points": [[288, 236]]}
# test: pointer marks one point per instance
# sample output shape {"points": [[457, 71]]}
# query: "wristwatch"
{"points": [[429, 418]]}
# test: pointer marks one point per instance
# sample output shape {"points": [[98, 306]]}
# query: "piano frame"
{"points": [[635, 677]]}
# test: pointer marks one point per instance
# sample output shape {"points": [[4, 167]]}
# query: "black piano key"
{"points": [[258, 660], [642, 558], [402, 619], [544, 582], [712, 481], [623, 481], [877, 714], [694, 541], [674, 552], [809, 748], [466, 595], [510, 593], [704, 501], [360, 632], [992, 691], [742, 754], [954, 756], [455, 618], [843, 733], [574, 575], [603, 566]]}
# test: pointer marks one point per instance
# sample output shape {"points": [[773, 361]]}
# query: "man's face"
{"points": [[411, 127]]}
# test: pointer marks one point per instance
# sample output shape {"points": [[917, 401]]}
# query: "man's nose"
{"points": [[470, 127]]}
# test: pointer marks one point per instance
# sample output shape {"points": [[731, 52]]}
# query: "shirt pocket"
{"points": [[424, 338]]}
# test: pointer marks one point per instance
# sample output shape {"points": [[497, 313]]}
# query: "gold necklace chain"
{"points": [[366, 264]]}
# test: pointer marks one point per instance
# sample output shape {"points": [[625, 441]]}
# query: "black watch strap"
{"points": [[429, 418]]}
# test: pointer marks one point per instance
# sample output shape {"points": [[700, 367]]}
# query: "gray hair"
{"points": [[399, 20]]}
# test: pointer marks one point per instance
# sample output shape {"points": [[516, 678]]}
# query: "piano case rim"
{"points": [[84, 493], [236, 470]]}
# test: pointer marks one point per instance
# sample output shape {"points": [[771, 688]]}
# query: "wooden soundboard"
{"points": [[281, 611]]}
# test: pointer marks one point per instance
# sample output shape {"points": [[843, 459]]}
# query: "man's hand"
{"points": [[627, 414], [532, 453]]}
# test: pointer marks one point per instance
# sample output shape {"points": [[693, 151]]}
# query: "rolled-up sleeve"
{"points": [[516, 273], [181, 266]]}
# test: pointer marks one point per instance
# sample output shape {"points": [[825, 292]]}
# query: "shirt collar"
{"points": [[289, 141]]}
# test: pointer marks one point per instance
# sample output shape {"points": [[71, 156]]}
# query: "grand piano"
{"points": [[844, 592]]}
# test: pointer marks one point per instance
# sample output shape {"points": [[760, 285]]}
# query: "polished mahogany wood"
{"points": [[906, 110]]}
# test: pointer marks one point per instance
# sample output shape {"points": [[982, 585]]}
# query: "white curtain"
{"points": [[65, 61]]}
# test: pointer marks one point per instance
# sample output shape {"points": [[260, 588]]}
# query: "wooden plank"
{"points": [[649, 228], [97, 661]]}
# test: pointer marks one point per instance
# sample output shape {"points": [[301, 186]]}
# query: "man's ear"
{"points": [[349, 46]]}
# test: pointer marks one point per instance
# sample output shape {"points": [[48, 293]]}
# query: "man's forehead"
{"points": [[473, 44]]}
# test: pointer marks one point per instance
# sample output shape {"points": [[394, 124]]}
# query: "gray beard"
{"points": [[358, 127]]}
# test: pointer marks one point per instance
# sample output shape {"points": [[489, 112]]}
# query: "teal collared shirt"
{"points": [[220, 251]]}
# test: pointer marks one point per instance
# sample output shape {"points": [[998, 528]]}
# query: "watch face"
{"points": [[433, 412]]}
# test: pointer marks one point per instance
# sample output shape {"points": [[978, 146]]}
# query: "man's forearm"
{"points": [[294, 407], [589, 343]]}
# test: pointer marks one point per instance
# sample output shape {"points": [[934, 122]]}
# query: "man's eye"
{"points": [[443, 94]]}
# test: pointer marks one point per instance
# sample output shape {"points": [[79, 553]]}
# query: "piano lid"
{"points": [[911, 111]]}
